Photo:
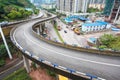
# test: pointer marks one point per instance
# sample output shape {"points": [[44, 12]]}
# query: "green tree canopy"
{"points": [[107, 39], [110, 41], [2, 51], [10, 9], [116, 44], [14, 14]]}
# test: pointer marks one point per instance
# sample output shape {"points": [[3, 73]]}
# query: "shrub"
{"points": [[33, 65], [51, 73], [2, 62], [3, 51], [102, 47]]}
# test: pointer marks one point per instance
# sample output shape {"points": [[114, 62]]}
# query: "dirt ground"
{"points": [[40, 74], [7, 60]]}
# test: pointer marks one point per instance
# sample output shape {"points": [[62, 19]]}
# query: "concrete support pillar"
{"points": [[42, 28], [37, 65], [45, 24], [38, 30], [26, 64]]}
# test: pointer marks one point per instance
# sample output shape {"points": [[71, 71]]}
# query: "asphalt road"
{"points": [[107, 67], [11, 70]]}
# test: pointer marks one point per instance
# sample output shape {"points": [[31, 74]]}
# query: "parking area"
{"points": [[70, 37]]}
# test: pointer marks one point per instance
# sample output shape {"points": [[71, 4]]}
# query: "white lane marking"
{"points": [[103, 63], [43, 48]]}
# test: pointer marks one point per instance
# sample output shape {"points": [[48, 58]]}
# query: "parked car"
{"points": [[65, 31], [77, 31], [59, 28], [72, 28]]}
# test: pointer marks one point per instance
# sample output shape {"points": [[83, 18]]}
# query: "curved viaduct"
{"points": [[70, 62]]}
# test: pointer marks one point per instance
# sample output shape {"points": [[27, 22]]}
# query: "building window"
{"points": [[64, 5], [71, 5]]}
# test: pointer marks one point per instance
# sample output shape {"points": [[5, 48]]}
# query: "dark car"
{"points": [[65, 31]]}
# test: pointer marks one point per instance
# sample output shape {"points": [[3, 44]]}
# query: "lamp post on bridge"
{"points": [[4, 40]]}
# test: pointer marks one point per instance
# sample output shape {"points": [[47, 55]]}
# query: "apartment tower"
{"points": [[73, 6]]}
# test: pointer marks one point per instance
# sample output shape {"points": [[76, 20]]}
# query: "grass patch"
{"points": [[2, 62], [56, 30], [20, 74]]}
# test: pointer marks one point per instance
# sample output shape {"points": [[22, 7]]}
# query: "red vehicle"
{"points": [[59, 28]]}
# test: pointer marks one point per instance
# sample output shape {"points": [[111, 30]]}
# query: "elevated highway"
{"points": [[86, 64]]}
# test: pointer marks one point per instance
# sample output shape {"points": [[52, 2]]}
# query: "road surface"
{"points": [[107, 67]]}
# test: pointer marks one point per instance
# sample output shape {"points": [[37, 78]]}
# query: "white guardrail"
{"points": [[72, 71]]}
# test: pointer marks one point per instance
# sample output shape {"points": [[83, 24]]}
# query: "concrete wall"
{"points": [[74, 47]]}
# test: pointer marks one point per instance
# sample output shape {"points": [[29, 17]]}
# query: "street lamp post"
{"points": [[4, 40]]}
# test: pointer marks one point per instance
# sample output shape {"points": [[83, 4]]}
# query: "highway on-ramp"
{"points": [[107, 67]]}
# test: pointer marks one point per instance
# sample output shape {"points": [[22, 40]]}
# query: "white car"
{"points": [[4, 23]]}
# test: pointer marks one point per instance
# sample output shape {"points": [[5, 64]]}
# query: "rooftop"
{"points": [[97, 23]]}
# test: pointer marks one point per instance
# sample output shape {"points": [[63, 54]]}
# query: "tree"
{"points": [[107, 39], [3, 51], [116, 44], [9, 8], [14, 15], [36, 11]]}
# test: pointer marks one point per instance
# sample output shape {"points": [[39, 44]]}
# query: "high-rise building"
{"points": [[108, 7], [112, 9], [48, 1], [96, 1], [32, 1], [36, 1], [99, 4], [115, 12], [72, 5]]}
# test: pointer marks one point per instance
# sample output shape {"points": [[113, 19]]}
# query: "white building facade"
{"points": [[96, 26]]}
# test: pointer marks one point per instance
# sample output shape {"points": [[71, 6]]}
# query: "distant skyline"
{"points": [[42, 1], [96, 1]]}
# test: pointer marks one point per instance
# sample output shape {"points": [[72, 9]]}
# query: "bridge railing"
{"points": [[75, 47], [54, 65]]}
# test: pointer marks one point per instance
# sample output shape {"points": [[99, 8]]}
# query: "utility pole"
{"points": [[117, 14], [4, 40]]}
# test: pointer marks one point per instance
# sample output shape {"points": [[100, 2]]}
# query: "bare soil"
{"points": [[40, 74], [7, 60]]}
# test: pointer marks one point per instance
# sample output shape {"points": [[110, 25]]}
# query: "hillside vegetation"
{"points": [[15, 9]]}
